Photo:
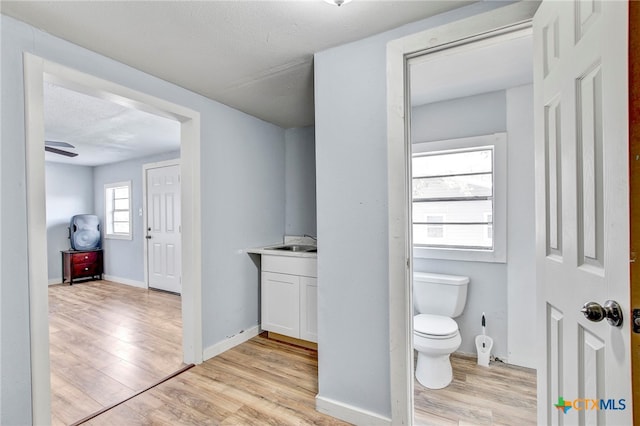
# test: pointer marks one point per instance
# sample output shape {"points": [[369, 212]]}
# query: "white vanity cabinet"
{"points": [[289, 296]]}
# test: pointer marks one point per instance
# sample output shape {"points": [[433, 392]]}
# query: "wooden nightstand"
{"points": [[85, 264]]}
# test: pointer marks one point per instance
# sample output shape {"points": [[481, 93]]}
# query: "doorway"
{"points": [[471, 133], [34, 75], [507, 19], [592, 351]]}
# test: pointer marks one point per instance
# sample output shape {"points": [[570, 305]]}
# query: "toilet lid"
{"points": [[434, 325]]}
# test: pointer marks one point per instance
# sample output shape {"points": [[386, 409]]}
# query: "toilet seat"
{"points": [[434, 326]]}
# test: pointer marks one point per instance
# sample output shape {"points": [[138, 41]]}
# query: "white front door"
{"points": [[582, 211], [163, 228]]}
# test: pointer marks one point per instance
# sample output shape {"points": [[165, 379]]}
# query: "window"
{"points": [[458, 190], [117, 202]]}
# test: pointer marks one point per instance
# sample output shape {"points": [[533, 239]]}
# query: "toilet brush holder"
{"points": [[484, 344]]}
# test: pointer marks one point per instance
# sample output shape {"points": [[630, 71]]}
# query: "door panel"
{"points": [[163, 228], [281, 303], [582, 210]]}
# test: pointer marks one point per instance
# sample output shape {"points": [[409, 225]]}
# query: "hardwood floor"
{"points": [[496, 395], [259, 382], [108, 341]]}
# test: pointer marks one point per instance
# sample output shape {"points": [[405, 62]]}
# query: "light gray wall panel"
{"points": [[300, 177], [452, 119], [521, 231], [69, 191], [481, 114]]}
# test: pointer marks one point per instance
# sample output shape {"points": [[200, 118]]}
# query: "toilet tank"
{"points": [[439, 294]]}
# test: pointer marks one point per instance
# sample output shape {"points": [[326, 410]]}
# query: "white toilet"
{"points": [[437, 299]]}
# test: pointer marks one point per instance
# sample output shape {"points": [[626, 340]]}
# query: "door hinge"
{"points": [[636, 321]]}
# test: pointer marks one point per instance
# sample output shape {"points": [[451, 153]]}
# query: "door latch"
{"points": [[636, 321]]}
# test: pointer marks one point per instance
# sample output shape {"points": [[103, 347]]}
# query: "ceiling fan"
{"points": [[49, 146]]}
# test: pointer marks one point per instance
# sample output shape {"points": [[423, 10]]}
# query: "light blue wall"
{"points": [[463, 117], [351, 161], [501, 290], [300, 180], [521, 229], [242, 201], [125, 258], [69, 191], [481, 114]]}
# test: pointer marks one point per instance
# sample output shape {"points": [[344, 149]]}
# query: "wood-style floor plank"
{"points": [[108, 341], [261, 381], [496, 395]]}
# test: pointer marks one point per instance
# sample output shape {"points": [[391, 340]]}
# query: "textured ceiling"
{"points": [[101, 131], [255, 56]]}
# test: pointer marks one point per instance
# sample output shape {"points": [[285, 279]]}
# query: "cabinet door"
{"points": [[281, 303], [309, 309]]}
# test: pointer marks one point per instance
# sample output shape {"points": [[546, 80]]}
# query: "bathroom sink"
{"points": [[296, 248]]}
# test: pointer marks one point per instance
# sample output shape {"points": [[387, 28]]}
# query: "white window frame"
{"points": [[499, 252], [108, 211]]}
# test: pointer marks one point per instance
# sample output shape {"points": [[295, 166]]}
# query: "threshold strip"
{"points": [[159, 382]]}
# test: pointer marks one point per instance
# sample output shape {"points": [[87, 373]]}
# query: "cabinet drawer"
{"points": [[305, 266], [86, 257], [85, 269]]}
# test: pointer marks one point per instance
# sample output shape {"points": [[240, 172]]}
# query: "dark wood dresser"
{"points": [[81, 265]]}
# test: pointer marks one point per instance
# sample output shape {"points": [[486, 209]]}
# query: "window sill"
{"points": [[489, 256], [118, 237]]}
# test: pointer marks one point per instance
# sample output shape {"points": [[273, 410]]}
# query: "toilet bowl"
{"points": [[438, 299], [435, 338]]}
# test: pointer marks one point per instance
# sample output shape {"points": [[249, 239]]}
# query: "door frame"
{"points": [[505, 19], [634, 193], [36, 71], [145, 210]]}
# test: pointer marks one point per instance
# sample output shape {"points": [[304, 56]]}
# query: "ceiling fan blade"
{"points": [[60, 151], [60, 144]]}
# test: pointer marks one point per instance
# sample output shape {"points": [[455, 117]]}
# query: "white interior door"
{"points": [[582, 210], [163, 228]]}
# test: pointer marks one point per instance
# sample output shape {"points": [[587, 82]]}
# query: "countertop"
{"points": [[268, 250]]}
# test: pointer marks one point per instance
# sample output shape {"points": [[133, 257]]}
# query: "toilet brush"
{"points": [[484, 325], [484, 344]]}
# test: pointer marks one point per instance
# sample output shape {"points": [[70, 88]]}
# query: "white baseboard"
{"points": [[230, 342], [349, 413], [125, 281], [53, 281]]}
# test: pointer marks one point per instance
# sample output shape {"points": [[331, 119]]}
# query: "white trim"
{"points": [[145, 167], [349, 413], [125, 281], [505, 19], [36, 70], [230, 342], [36, 238], [54, 281]]}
